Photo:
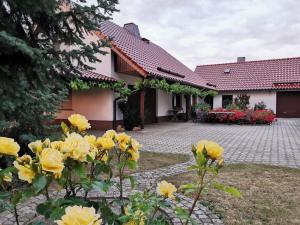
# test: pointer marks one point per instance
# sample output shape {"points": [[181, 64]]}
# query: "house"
{"points": [[276, 82], [131, 58]]}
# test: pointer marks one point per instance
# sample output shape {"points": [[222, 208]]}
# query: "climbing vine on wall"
{"points": [[175, 88], [118, 86], [121, 88]]}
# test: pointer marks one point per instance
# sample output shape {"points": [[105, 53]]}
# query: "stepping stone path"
{"points": [[145, 180]]}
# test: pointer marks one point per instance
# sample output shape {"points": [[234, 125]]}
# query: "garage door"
{"points": [[288, 104]]}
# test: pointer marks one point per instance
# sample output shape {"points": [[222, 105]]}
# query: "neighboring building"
{"points": [[276, 82], [131, 58]]}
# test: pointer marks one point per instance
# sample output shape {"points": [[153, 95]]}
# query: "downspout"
{"points": [[115, 112]]}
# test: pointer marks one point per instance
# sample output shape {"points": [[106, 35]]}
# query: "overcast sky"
{"points": [[215, 31]]}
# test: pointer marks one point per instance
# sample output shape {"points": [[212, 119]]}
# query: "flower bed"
{"points": [[235, 116], [79, 163]]}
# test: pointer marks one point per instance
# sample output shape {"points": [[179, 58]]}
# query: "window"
{"points": [[194, 100], [226, 100], [176, 101], [209, 100]]}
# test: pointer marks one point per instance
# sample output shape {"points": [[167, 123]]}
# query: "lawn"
{"points": [[271, 195], [154, 160]]}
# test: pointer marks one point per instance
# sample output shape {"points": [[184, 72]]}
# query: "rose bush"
{"points": [[79, 163], [249, 116]]}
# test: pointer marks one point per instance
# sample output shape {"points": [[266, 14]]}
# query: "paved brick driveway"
{"points": [[276, 144]]}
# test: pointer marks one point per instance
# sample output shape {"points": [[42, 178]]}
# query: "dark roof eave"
{"points": [[180, 81], [259, 89]]}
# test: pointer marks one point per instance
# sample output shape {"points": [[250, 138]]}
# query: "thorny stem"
{"points": [[16, 215], [121, 181], [47, 193], [91, 175], [201, 186], [153, 215]]}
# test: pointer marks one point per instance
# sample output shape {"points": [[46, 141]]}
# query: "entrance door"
{"points": [[288, 104], [150, 105]]}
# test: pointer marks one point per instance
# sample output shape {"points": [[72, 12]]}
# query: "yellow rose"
{"points": [[103, 157], [36, 146], [25, 171], [24, 159], [52, 161], [80, 215], [123, 146], [79, 121], [213, 149], [91, 139], [105, 143], [110, 134], [166, 189], [76, 147], [7, 178], [8, 146], [135, 155], [138, 218], [56, 145], [135, 146], [221, 161], [123, 138]]}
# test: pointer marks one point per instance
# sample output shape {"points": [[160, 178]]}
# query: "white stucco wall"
{"points": [[164, 103], [95, 104], [268, 97]]}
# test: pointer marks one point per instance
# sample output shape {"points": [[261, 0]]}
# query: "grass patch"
{"points": [[154, 160], [271, 195]]}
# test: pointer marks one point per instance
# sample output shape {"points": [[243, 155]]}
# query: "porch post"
{"points": [[142, 107], [188, 107]]}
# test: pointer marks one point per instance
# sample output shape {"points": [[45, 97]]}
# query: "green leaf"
{"points": [[101, 185], [200, 159], [37, 223], [39, 183], [4, 195], [5, 205], [80, 170], [193, 167], [227, 189], [16, 198], [7, 170], [131, 164], [44, 209], [133, 181], [64, 127], [188, 188], [57, 213]]}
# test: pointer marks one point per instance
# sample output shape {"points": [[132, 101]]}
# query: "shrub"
{"points": [[242, 101], [204, 107], [241, 117], [260, 106], [262, 116], [79, 163], [131, 116]]}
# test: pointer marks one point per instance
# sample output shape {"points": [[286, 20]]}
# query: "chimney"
{"points": [[133, 29], [241, 59]]}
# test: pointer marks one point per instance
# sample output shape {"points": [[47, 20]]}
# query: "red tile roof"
{"points": [[150, 57], [253, 75], [90, 75]]}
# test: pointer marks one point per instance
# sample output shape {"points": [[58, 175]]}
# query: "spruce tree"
{"points": [[34, 69]]}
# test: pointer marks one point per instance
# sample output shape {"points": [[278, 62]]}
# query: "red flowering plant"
{"points": [[249, 116], [237, 116], [263, 116]]}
